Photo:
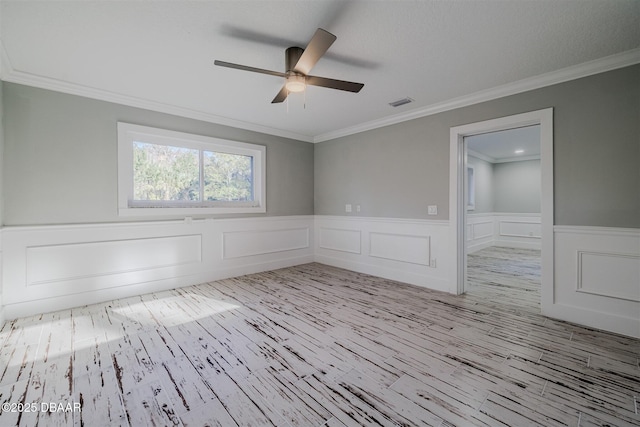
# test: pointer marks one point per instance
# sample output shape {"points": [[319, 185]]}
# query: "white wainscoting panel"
{"points": [[236, 244], [53, 267], [480, 231], [512, 230], [339, 239], [45, 268], [594, 274], [526, 229], [84, 261], [518, 230], [597, 278], [411, 251], [401, 247], [469, 232]]}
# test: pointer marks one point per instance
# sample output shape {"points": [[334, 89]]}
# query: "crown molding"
{"points": [[517, 159], [601, 65], [480, 156], [493, 160], [10, 74]]}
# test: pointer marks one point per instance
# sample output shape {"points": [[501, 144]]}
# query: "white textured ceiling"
{"points": [[162, 53], [506, 145]]}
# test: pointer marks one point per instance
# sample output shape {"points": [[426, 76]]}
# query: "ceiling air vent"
{"points": [[402, 101]]}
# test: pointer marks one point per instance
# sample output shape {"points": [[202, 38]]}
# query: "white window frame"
{"points": [[128, 133]]}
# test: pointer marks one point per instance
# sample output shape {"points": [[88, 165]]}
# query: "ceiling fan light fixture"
{"points": [[296, 84]]}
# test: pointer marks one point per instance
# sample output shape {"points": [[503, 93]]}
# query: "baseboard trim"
{"points": [[517, 245], [245, 269], [398, 275], [592, 319], [64, 302], [479, 246]]}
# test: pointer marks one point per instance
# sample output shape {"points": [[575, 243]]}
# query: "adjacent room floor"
{"points": [[505, 278], [314, 345]]}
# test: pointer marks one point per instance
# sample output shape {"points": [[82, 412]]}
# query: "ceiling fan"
{"points": [[298, 63]]}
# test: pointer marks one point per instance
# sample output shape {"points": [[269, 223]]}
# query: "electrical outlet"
{"points": [[347, 208], [432, 210], [357, 208]]}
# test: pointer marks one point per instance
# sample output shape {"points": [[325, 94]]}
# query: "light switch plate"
{"points": [[347, 208]]}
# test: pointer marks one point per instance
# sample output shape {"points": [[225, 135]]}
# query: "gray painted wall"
{"points": [[483, 172], [516, 187], [61, 158], [396, 171], [1, 159], [511, 187], [393, 172]]}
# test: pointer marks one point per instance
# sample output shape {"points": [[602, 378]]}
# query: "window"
{"points": [[471, 188], [162, 172]]}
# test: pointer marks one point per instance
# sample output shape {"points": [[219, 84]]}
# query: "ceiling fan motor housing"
{"points": [[291, 57]]}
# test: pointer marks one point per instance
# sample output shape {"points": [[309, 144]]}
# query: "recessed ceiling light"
{"points": [[519, 151]]}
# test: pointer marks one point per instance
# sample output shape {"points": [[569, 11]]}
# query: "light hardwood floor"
{"points": [[319, 346]]}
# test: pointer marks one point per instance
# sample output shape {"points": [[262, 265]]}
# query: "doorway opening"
{"points": [[463, 194], [502, 217]]}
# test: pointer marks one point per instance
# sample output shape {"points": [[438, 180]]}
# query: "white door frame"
{"points": [[457, 207]]}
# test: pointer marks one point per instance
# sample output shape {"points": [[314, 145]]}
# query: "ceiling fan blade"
{"points": [[334, 84], [320, 42], [247, 68], [281, 96]]}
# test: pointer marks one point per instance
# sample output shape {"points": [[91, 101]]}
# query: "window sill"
{"points": [[155, 212]]}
